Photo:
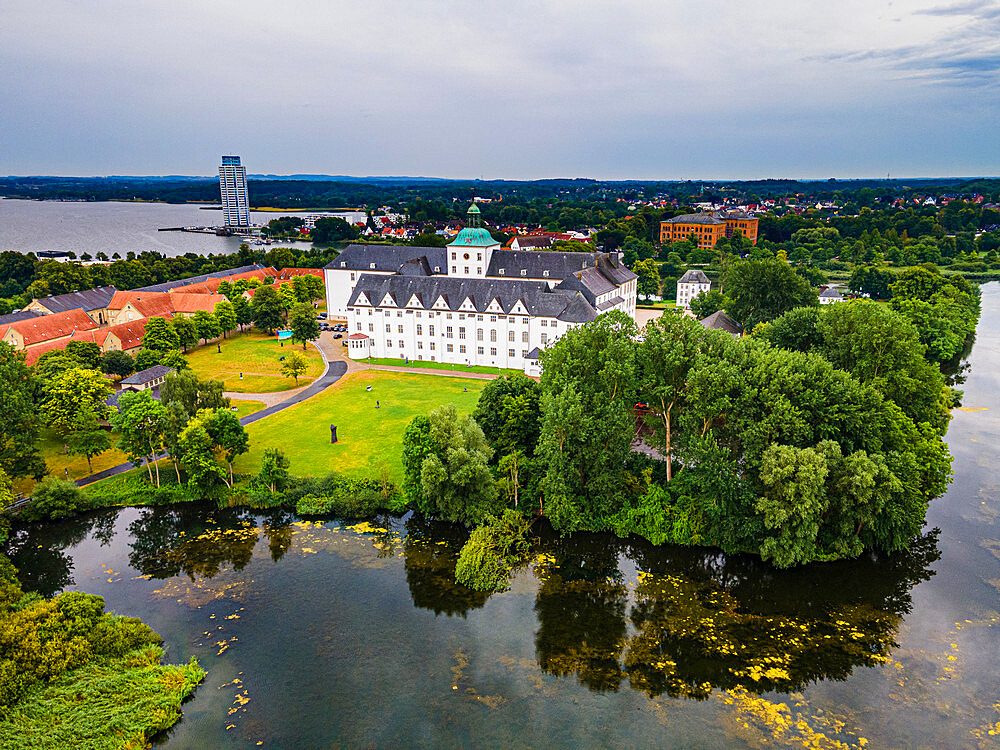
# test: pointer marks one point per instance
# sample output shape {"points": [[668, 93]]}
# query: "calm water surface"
{"points": [[113, 227], [321, 635]]}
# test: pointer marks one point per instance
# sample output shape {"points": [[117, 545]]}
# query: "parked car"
{"points": [[338, 335], [321, 315]]}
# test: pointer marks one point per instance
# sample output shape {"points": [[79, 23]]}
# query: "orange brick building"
{"points": [[709, 228]]}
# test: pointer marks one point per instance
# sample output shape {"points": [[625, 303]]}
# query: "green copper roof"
{"points": [[475, 234], [474, 237]]}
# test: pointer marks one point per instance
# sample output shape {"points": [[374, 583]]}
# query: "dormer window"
{"points": [[343, 264], [545, 274], [437, 269], [371, 265], [524, 272], [501, 271]]}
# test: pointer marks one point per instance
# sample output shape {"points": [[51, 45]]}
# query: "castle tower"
{"points": [[470, 252]]}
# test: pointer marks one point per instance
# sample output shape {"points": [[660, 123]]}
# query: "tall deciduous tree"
{"points": [[666, 354], [74, 398], [509, 411], [761, 290], [187, 334], [117, 363], [88, 439], [456, 474], [648, 283], [140, 423], [225, 314], [307, 287], [225, 429], [267, 309], [20, 420], [588, 395], [198, 454], [244, 313], [302, 321], [160, 335], [207, 325], [87, 353], [192, 393], [274, 469]]}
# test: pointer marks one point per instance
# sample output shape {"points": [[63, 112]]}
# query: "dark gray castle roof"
{"points": [[388, 258], [20, 315], [694, 277], [722, 322], [535, 295], [86, 300], [166, 286], [148, 375], [535, 264]]}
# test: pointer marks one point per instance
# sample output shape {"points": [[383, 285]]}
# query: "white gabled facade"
{"points": [[455, 337], [690, 285], [470, 303]]}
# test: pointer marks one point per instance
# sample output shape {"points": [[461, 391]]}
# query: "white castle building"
{"points": [[690, 285], [472, 302]]}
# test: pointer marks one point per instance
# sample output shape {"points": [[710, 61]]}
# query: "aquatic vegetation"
{"points": [[110, 704]]}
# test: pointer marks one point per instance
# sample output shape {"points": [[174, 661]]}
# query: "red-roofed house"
{"points": [[24, 334]]}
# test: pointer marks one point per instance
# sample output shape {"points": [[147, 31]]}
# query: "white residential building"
{"points": [[690, 285], [472, 302], [830, 295], [233, 186]]}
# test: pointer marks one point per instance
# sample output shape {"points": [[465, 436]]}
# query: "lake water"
{"points": [[322, 635], [112, 227]]}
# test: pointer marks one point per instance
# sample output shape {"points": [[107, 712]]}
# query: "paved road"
{"points": [[334, 371]]}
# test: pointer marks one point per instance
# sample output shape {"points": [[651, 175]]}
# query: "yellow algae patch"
{"points": [[366, 528], [764, 723]]}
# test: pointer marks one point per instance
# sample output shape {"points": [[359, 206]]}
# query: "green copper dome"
{"points": [[474, 235]]}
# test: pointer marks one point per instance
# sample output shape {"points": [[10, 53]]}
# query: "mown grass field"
{"points": [[417, 364], [258, 357], [370, 439], [68, 466]]}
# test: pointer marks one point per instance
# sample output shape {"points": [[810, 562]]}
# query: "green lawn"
{"points": [[245, 407], [68, 466], [663, 305], [257, 356], [439, 366], [369, 438]]}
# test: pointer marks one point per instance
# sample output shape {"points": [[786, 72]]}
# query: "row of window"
{"points": [[449, 332], [461, 349], [462, 316]]}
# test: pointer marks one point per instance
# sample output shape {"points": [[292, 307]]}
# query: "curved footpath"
{"points": [[333, 372]]}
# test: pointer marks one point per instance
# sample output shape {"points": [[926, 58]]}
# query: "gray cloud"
{"points": [[524, 88]]}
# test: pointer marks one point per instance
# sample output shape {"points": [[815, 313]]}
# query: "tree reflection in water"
{"points": [[189, 538], [701, 620], [37, 550], [430, 551], [581, 605]]}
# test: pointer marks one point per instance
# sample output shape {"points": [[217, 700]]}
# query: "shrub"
{"points": [[127, 491], [54, 498], [336, 495]]}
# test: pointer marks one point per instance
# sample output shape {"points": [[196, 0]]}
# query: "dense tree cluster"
{"points": [[816, 438]]}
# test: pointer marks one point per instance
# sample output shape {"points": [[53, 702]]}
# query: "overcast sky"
{"points": [[512, 89]]}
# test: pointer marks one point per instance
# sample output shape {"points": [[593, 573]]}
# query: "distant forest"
{"points": [[399, 193]]}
